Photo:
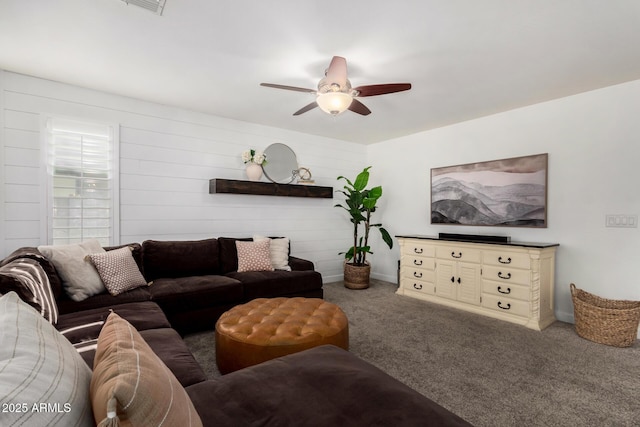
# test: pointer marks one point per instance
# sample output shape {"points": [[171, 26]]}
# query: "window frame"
{"points": [[46, 233]]}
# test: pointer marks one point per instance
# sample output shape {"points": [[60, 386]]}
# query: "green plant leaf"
{"points": [[375, 192], [362, 179], [386, 237]]}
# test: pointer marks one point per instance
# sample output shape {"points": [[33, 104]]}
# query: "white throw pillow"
{"points": [[278, 251], [43, 379], [80, 279]]}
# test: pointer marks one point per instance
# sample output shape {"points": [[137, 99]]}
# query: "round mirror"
{"points": [[281, 165]]}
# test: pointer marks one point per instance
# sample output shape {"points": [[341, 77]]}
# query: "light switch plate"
{"points": [[621, 221]]}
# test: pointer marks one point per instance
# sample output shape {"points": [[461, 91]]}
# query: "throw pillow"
{"points": [[118, 270], [278, 251], [254, 256], [28, 279], [43, 379], [132, 386], [80, 278]]}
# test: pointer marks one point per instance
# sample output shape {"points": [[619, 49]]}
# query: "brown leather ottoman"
{"points": [[266, 328]]}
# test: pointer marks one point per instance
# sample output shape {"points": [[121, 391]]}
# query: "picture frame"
{"points": [[508, 192]]}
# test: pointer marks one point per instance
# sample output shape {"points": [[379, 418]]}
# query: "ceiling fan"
{"points": [[335, 94]]}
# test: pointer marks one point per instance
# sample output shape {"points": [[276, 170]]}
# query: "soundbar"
{"points": [[474, 238]]}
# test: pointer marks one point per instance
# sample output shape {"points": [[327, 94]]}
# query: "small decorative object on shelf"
{"points": [[254, 161], [304, 175]]}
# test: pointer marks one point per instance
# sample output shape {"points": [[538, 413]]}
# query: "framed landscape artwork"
{"points": [[508, 192]]}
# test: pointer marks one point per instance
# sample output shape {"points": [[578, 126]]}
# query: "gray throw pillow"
{"points": [[43, 379], [80, 279]]}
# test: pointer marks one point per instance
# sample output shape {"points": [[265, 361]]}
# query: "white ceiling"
{"points": [[465, 58]]}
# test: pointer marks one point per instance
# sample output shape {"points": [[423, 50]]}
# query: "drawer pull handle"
{"points": [[417, 262], [417, 286], [508, 261], [508, 291], [453, 279], [458, 280], [507, 277], [453, 254], [504, 308], [416, 274], [418, 250]]}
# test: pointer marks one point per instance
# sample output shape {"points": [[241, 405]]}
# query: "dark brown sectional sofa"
{"points": [[193, 283]]}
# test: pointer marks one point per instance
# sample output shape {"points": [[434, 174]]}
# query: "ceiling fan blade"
{"points": [[337, 71], [373, 90], [358, 107], [306, 108], [297, 89]]}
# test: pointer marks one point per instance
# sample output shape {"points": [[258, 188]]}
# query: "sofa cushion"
{"points": [[254, 256], [130, 383], [118, 270], [171, 259], [27, 278], [33, 253], [169, 346], [185, 294], [266, 284], [323, 386], [105, 299], [80, 279], [39, 366], [229, 253], [83, 327]]}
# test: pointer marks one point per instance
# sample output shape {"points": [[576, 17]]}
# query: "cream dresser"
{"points": [[508, 281]]}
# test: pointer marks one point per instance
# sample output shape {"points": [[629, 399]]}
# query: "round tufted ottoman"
{"points": [[266, 328]]}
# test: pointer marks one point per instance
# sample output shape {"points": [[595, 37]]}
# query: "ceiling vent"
{"points": [[155, 6]]}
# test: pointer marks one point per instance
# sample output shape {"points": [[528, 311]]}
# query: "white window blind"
{"points": [[80, 174]]}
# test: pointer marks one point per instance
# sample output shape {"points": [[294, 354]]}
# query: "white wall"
{"points": [[167, 156], [594, 170]]}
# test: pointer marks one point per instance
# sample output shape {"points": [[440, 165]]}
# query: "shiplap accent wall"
{"points": [[167, 156]]}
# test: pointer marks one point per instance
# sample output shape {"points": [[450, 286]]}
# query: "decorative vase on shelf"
{"points": [[254, 171]]}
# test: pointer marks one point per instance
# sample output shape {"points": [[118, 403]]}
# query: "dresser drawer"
{"points": [[416, 247], [506, 275], [456, 253], [410, 261], [507, 290], [415, 285], [507, 259], [506, 305], [418, 274]]}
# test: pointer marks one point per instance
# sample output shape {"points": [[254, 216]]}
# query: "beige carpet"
{"points": [[491, 373]]}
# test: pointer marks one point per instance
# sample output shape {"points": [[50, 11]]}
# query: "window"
{"points": [[82, 187]]}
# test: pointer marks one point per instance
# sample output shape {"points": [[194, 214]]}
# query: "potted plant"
{"points": [[360, 203]]}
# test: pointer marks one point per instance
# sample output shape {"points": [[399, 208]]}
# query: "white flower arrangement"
{"points": [[253, 156]]}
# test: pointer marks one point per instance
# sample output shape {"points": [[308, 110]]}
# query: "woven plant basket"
{"points": [[356, 276], [605, 321]]}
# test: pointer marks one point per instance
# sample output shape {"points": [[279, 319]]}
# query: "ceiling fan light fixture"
{"points": [[334, 103]]}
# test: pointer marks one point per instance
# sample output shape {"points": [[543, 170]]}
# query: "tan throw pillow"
{"points": [[254, 256], [278, 251], [43, 379], [131, 384], [118, 270], [80, 278]]}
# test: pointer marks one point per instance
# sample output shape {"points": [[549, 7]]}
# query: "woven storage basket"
{"points": [[605, 321]]}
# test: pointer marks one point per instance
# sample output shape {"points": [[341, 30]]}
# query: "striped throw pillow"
{"points": [[28, 279], [132, 386], [41, 373]]}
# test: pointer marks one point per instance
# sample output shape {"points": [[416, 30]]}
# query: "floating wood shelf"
{"points": [[232, 186]]}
